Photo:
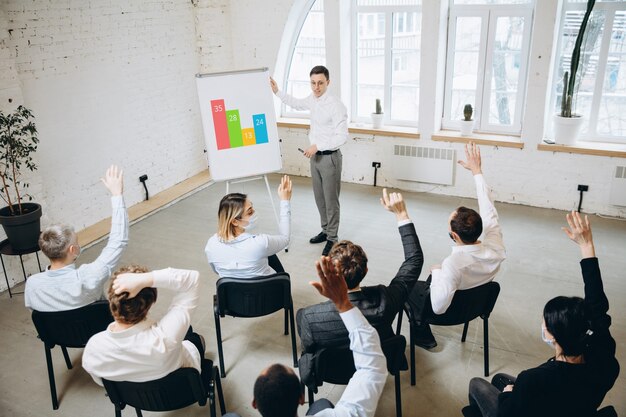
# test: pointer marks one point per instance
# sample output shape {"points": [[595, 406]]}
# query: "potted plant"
{"points": [[18, 141], [377, 117], [567, 125], [467, 124]]}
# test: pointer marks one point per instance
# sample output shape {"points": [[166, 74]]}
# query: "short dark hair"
{"points": [[352, 261], [467, 224], [277, 392], [130, 310], [320, 69], [565, 318]]}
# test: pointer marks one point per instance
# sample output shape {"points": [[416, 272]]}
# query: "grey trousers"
{"points": [[483, 396], [326, 175]]}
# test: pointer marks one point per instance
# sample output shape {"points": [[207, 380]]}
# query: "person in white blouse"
{"points": [[472, 262], [235, 252], [277, 390], [329, 130]]}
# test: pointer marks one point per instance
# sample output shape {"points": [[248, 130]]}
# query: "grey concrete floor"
{"points": [[541, 264]]}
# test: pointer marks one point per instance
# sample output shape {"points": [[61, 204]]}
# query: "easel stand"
{"points": [[269, 193]]}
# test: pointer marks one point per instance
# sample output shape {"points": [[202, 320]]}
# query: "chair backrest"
{"points": [[72, 328], [336, 364], [253, 297], [178, 389], [608, 411], [468, 304]]}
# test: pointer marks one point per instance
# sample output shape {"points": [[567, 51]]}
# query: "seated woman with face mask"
{"points": [[583, 369], [235, 252]]}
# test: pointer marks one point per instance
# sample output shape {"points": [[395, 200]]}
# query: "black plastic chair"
{"points": [[336, 366], [176, 390], [466, 306], [69, 329], [608, 411], [253, 297]]}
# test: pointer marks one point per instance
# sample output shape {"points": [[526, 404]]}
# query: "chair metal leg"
{"points": [[465, 327], [311, 396], [68, 362], [286, 322], [118, 412], [220, 392], [399, 322], [293, 338], [138, 411], [218, 334], [212, 399], [398, 395], [486, 343], [53, 387], [412, 343]]}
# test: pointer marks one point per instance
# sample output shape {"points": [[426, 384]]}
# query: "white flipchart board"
{"points": [[239, 123]]}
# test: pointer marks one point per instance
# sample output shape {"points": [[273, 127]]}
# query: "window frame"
{"points": [[489, 15], [610, 8], [388, 59]]}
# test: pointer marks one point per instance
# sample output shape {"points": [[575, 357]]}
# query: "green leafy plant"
{"points": [[379, 108], [18, 141], [467, 112], [569, 78]]}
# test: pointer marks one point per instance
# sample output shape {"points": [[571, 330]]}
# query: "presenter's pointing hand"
{"points": [[273, 85], [284, 189]]}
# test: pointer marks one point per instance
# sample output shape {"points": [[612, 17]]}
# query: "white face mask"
{"points": [[549, 342], [252, 222]]}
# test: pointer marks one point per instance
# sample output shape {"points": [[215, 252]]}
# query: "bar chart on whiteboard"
{"points": [[232, 132], [239, 124]]}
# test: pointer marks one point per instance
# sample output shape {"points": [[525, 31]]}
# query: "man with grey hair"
{"points": [[62, 286]]}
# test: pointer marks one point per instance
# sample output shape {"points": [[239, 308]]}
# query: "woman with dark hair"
{"points": [[235, 252], [583, 369]]}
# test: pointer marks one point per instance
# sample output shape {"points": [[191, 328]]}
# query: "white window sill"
{"points": [[587, 148], [489, 139], [362, 128]]}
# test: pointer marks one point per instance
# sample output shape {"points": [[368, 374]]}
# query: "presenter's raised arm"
{"points": [[273, 85]]}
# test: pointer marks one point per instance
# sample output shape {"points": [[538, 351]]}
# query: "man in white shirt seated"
{"points": [[472, 262], [138, 349], [63, 286], [277, 391]]}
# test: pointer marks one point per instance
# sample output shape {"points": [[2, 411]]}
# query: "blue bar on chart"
{"points": [[260, 128]]}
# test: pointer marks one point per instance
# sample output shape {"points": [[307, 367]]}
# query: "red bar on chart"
{"points": [[219, 124]]}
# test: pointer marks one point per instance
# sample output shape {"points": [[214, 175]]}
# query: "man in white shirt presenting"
{"points": [[329, 130], [472, 262]]}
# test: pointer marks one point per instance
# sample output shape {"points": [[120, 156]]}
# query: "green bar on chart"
{"points": [[234, 128]]}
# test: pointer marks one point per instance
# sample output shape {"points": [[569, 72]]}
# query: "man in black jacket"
{"points": [[320, 326]]}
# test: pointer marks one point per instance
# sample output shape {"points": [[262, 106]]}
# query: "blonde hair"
{"points": [[231, 208]]}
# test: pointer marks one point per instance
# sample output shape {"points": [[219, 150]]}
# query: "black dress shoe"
{"points": [[424, 337], [328, 247], [319, 238]]}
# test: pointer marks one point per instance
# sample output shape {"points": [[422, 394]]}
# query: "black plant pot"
{"points": [[22, 230]]}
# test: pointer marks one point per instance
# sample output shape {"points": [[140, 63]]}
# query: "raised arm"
{"points": [[296, 103], [402, 284], [361, 396], [276, 243], [102, 268], [491, 228]]}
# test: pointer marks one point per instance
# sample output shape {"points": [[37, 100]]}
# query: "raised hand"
{"points": [[284, 189], [273, 85], [394, 203], [114, 180], [132, 283], [332, 284], [472, 159], [580, 232]]}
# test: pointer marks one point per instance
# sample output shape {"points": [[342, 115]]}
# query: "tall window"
{"points": [[487, 61], [310, 50], [386, 60], [601, 85]]}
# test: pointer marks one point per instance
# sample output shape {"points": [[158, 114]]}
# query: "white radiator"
{"points": [[617, 196], [422, 164]]}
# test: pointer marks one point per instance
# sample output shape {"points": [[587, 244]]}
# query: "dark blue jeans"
{"points": [[483, 396]]}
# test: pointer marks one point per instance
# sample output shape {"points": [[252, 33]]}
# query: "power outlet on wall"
{"points": [[582, 187], [375, 164]]}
